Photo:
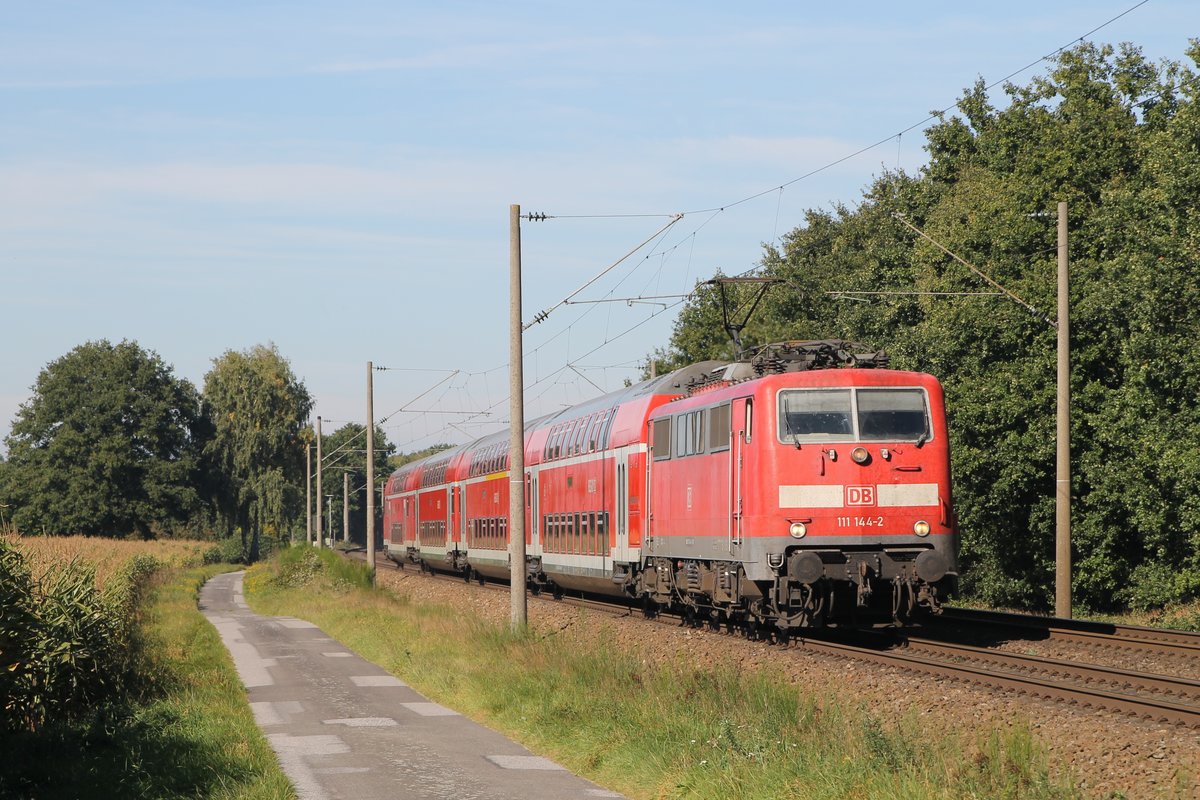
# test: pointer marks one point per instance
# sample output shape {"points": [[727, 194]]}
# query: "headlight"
{"points": [[921, 528], [798, 530], [860, 455]]}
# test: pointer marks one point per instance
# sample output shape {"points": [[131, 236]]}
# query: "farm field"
{"points": [[158, 712]]}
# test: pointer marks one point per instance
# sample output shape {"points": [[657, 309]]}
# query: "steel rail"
{"points": [[1130, 637], [1158, 710], [1057, 668]]}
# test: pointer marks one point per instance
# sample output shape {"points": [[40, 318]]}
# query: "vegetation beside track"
{"points": [[118, 686], [645, 730]]}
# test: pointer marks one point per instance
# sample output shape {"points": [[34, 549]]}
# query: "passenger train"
{"points": [[805, 486]]}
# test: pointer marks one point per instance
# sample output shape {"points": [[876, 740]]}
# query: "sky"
{"points": [[336, 178]]}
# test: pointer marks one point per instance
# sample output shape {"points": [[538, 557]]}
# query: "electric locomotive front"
{"points": [[799, 498], [859, 472]]}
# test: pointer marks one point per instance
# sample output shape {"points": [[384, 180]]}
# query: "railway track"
{"points": [[1102, 634], [1158, 698]]}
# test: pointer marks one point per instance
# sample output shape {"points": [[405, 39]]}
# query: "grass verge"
{"points": [[647, 730], [186, 730]]}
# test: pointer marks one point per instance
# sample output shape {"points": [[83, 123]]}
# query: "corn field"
{"points": [[68, 621]]}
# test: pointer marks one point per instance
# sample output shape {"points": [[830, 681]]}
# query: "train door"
{"points": [[741, 426], [621, 523], [532, 524], [414, 521], [461, 490]]}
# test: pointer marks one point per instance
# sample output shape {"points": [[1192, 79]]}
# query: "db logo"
{"points": [[860, 495]]}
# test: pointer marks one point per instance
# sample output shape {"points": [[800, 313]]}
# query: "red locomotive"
{"points": [[805, 486]]}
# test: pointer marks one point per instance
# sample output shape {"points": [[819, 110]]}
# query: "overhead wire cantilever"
{"points": [[542, 315]]}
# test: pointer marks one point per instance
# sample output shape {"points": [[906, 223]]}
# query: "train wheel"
{"points": [[535, 589], [649, 608], [467, 575], [557, 592], [479, 576], [714, 620]]}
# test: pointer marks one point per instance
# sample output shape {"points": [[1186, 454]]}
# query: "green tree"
{"points": [[346, 450], [1117, 138], [106, 446], [258, 411]]}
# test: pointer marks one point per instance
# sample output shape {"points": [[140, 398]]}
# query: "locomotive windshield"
{"points": [[841, 415]]}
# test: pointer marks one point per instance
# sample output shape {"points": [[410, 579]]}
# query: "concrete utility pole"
{"points": [[329, 514], [320, 488], [371, 470], [1062, 494], [308, 494], [346, 505], [516, 410]]}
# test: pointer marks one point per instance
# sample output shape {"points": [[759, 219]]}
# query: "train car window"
{"points": [[718, 428], [606, 430], [819, 415], [689, 433], [581, 439], [662, 439], [893, 414], [577, 436], [593, 434], [684, 426]]}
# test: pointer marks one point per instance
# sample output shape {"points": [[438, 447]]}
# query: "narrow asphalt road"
{"points": [[344, 728]]}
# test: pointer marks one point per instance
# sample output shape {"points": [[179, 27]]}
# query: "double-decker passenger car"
{"points": [[805, 486]]}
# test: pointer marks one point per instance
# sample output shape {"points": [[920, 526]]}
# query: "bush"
{"points": [[296, 567], [1154, 585], [226, 551]]}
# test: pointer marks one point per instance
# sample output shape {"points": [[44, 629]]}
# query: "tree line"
{"points": [[113, 443], [1118, 139]]}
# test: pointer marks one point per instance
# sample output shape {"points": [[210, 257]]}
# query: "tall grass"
{"points": [[646, 729], [134, 695]]}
